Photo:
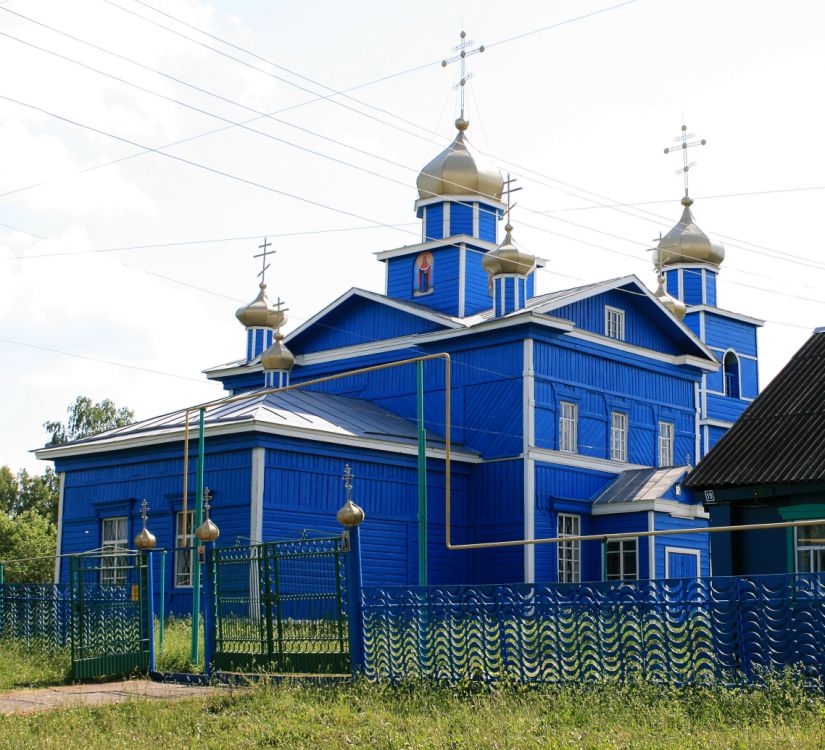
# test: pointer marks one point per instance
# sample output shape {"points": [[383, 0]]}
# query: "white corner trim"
{"points": [[256, 495], [445, 216], [726, 314], [682, 551], [651, 546], [547, 456], [57, 559], [671, 507], [476, 226], [529, 481], [462, 278]]}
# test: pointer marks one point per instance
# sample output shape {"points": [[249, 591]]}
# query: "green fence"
{"points": [[279, 607]]}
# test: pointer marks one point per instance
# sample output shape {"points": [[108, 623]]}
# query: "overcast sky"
{"points": [[579, 111]]}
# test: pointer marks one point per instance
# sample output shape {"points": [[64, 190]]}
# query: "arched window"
{"points": [[731, 372]]}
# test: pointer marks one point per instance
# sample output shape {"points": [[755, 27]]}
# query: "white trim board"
{"points": [[671, 507], [60, 491], [725, 314], [420, 247], [529, 480], [256, 494], [577, 460], [683, 551]]}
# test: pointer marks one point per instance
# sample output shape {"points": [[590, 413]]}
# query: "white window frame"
{"points": [[811, 549], [667, 440], [568, 427], [569, 555], [618, 436], [182, 577], [614, 323], [683, 551], [113, 567], [623, 576]]}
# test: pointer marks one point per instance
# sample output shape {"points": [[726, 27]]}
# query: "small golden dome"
{"points": [[277, 357], [686, 243], [508, 258], [260, 313], [457, 171], [350, 514], [208, 531], [145, 540], [676, 306]]}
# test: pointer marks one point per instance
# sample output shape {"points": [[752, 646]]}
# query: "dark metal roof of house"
{"points": [[638, 485], [780, 438]]}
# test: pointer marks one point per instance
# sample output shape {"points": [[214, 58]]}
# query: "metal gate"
{"points": [[110, 628], [279, 607]]}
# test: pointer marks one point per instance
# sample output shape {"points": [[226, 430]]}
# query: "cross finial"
{"points": [[144, 511], [207, 496], [464, 51], [685, 143], [263, 255], [508, 191], [348, 481]]}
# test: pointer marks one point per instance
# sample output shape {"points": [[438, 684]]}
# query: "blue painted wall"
{"points": [[444, 297], [434, 229], [461, 219]]}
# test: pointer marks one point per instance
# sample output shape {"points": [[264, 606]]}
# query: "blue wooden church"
{"points": [[573, 411]]}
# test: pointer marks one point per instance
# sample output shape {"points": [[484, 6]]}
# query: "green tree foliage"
{"points": [[34, 539], [87, 418], [23, 492]]}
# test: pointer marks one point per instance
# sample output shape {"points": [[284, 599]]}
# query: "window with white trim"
{"points": [[184, 556], [810, 549], [614, 323], [618, 436], [621, 560], [666, 435], [114, 536], [569, 524], [568, 426]]}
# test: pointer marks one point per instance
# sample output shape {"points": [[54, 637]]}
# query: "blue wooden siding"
{"points": [[715, 381], [672, 283], [692, 286], [715, 435], [749, 373], [619, 523], [435, 222], [487, 221], [359, 321], [477, 283], [727, 333], [710, 287], [645, 324], [725, 407], [694, 542], [461, 219]]}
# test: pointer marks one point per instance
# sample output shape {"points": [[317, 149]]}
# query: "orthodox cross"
{"points": [[264, 265], [464, 51], [348, 481], [684, 144], [508, 191], [144, 511], [207, 496]]}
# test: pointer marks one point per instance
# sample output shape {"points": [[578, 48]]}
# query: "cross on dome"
{"points": [[464, 51], [264, 265], [684, 144]]}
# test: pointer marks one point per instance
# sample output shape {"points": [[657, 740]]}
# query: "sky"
{"points": [[146, 149]]}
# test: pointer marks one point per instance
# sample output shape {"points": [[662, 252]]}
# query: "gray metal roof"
{"points": [[298, 409], [638, 485]]}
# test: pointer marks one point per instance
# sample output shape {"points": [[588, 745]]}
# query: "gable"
{"points": [[355, 320], [645, 323]]}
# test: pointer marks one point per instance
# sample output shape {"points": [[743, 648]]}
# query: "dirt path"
{"points": [[66, 696]]}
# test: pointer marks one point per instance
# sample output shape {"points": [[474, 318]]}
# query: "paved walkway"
{"points": [[67, 696]]}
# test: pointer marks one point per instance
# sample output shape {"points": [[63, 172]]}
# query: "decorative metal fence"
{"points": [[111, 614], [729, 630], [279, 607], [35, 614]]}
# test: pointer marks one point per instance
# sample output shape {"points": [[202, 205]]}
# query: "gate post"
{"points": [[149, 611], [209, 611], [350, 516]]}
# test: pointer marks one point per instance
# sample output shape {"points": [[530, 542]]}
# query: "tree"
{"points": [[87, 418], [23, 492], [28, 542]]}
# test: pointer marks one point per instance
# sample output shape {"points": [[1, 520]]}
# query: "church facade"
{"points": [[575, 411]]}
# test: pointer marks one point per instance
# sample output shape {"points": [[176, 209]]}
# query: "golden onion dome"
{"points": [[277, 357], [686, 243], [260, 313], [508, 258], [457, 171], [675, 305], [350, 514], [208, 531], [145, 540]]}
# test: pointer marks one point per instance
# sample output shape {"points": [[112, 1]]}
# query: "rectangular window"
{"points": [[621, 560], [618, 436], [614, 323], [810, 549], [666, 431], [568, 427], [114, 535], [569, 552], [184, 556]]}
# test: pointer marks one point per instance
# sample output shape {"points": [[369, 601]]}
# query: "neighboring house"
{"points": [[770, 467], [558, 400]]}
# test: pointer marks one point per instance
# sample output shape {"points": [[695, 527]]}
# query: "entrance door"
{"points": [[681, 563]]}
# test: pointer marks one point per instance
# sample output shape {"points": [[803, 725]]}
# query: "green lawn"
{"points": [[421, 716]]}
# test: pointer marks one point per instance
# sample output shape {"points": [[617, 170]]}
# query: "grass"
{"points": [[418, 715], [21, 667]]}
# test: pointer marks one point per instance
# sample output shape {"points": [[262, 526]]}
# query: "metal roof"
{"points": [[638, 485], [780, 437], [298, 409]]}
